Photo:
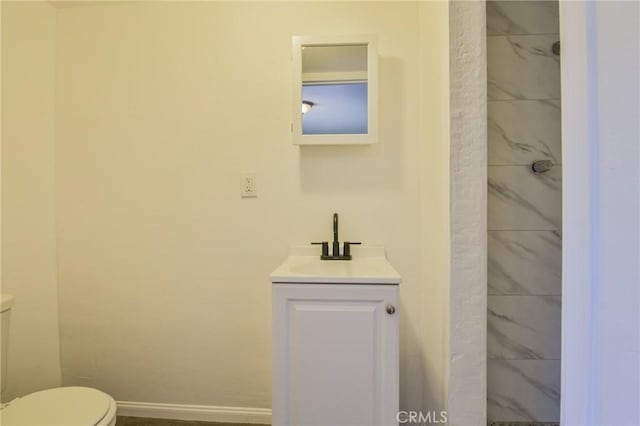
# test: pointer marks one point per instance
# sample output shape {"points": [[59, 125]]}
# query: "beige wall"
{"points": [[434, 192], [28, 229], [163, 268]]}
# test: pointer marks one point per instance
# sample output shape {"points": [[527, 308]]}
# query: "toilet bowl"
{"points": [[66, 406]]}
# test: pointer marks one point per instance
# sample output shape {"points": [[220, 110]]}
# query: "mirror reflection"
{"points": [[334, 89]]}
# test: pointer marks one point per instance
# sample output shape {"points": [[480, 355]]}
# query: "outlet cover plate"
{"points": [[248, 185]]}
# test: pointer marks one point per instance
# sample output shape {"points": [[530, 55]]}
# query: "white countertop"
{"points": [[369, 265]]}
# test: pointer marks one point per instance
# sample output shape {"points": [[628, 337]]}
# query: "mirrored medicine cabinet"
{"points": [[335, 90]]}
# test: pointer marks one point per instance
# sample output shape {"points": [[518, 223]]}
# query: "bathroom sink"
{"points": [[368, 266]]}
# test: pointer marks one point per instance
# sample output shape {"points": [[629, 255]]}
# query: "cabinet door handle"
{"points": [[391, 309]]}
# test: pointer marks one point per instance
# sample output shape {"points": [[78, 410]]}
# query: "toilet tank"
{"points": [[6, 303]]}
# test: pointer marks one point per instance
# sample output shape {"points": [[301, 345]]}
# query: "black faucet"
{"points": [[336, 244], [335, 253]]}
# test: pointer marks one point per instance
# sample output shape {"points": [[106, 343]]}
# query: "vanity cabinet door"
{"points": [[335, 349]]}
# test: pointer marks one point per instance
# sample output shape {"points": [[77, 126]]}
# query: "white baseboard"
{"points": [[204, 413]]}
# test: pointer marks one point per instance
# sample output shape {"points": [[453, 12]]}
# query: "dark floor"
{"points": [[143, 421]]}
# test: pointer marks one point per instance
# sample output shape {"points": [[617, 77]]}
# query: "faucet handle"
{"points": [[347, 247], [325, 247]]}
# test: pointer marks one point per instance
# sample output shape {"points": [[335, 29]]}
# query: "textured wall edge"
{"points": [[468, 320]]}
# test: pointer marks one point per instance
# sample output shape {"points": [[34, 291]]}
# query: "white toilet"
{"points": [[66, 406]]}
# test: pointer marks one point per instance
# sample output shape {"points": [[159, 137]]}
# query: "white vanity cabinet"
{"points": [[335, 345]]}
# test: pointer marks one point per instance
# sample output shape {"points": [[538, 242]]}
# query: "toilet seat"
{"points": [[67, 406]]}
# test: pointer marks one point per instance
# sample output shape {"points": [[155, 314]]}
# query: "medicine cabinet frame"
{"points": [[371, 136]]}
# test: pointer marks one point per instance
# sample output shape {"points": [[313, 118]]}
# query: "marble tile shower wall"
{"points": [[524, 212]]}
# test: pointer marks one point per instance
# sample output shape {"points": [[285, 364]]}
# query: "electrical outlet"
{"points": [[248, 185]]}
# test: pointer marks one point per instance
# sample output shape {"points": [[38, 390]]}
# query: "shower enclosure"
{"points": [[524, 213]]}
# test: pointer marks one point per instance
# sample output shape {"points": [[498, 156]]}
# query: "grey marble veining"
{"points": [[522, 131], [524, 212], [519, 199], [522, 67], [523, 390], [523, 327], [524, 263], [522, 17]]}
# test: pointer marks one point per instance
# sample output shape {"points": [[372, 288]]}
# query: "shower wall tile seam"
{"points": [[524, 230], [491, 100], [517, 165], [497, 358], [524, 295], [494, 358], [524, 100], [524, 35]]}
